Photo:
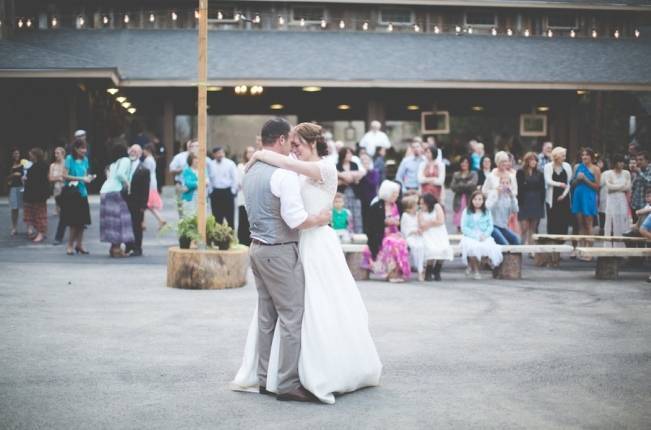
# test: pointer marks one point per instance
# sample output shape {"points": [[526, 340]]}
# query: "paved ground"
{"points": [[89, 342]]}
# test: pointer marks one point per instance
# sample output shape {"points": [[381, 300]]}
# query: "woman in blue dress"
{"points": [[585, 183]]}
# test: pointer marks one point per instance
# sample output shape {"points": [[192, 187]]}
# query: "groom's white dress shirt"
{"points": [[286, 186]]}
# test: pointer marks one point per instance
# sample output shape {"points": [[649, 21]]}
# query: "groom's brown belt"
{"points": [[257, 242]]}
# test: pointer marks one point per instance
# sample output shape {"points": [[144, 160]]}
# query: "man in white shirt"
{"points": [[223, 179], [374, 138]]}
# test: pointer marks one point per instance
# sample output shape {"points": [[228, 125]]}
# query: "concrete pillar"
{"points": [[168, 136]]}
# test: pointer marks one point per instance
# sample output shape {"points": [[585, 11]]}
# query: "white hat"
{"points": [[80, 133]]}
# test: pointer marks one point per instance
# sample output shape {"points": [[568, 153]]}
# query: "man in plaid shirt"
{"points": [[641, 182]]}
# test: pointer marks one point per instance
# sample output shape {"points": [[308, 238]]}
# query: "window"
{"points": [[435, 122], [396, 16], [309, 14], [481, 18], [562, 20]]}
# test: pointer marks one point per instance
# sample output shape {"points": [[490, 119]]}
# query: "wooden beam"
{"points": [[202, 116], [168, 136]]}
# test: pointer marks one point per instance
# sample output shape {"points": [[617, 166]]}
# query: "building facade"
{"points": [[510, 73]]}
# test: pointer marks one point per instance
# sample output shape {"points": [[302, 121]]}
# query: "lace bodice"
{"points": [[318, 196]]}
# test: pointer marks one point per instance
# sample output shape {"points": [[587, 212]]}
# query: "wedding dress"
{"points": [[338, 354]]}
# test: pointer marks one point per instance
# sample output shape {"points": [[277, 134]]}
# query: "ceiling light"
{"points": [[323, 23], [302, 22], [126, 19], [311, 89], [390, 28], [342, 24], [572, 34], [174, 16], [365, 26], [550, 33], [477, 108], [637, 33], [527, 33], [54, 21], [152, 17], [543, 108], [494, 31], [126, 105], [112, 91], [213, 88], [131, 110], [594, 34], [276, 106], [343, 107], [437, 30], [413, 107], [121, 99], [581, 92]]}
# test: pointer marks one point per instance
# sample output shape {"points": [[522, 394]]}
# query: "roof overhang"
{"points": [[83, 73]]}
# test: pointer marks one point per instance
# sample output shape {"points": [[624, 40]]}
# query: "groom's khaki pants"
{"points": [[280, 281]]}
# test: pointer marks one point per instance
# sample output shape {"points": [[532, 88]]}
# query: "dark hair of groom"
{"points": [[273, 129]]}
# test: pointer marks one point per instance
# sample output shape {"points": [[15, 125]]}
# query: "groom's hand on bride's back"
{"points": [[316, 220], [324, 217]]}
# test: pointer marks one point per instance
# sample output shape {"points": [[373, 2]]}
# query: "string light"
{"points": [[29, 23], [196, 14], [437, 30], [365, 26], [416, 28], [54, 22], [112, 91], [342, 24], [126, 19], [323, 23], [152, 17], [527, 33], [572, 34], [494, 31], [131, 110], [20, 23], [126, 105], [470, 30], [81, 21], [616, 34], [637, 33], [121, 99], [256, 19], [509, 32], [174, 16], [390, 27], [281, 20], [550, 33], [302, 22], [594, 34], [220, 15]]}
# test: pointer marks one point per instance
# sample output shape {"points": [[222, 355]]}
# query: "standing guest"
{"points": [[115, 226], [368, 185], [545, 156], [645, 231], [190, 184], [349, 175], [223, 178], [430, 143], [177, 165], [138, 197], [243, 231], [477, 243], [463, 184], [617, 183], [379, 163], [407, 173], [476, 156], [557, 179], [37, 190], [502, 204], [431, 175], [75, 212], [55, 177], [386, 255], [413, 234], [641, 181], [341, 219], [531, 196], [585, 182], [15, 182], [374, 138], [601, 207], [431, 221], [154, 202], [485, 168], [503, 169]]}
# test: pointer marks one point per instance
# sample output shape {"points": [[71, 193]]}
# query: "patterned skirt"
{"points": [[393, 258], [154, 201], [114, 219], [35, 214]]}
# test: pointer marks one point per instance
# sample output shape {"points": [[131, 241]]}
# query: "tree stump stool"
{"points": [[354, 260], [511, 267], [547, 259], [207, 269], [607, 268]]}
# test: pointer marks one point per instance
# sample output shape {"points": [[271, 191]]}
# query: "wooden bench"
{"points": [[553, 259], [609, 259], [511, 267]]}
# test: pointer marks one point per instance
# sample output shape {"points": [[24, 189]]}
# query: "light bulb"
{"points": [[509, 32], [470, 30], [281, 20], [54, 22], [594, 34], [494, 31], [220, 15], [29, 23], [152, 17], [81, 21], [196, 14], [550, 33], [457, 29], [390, 27], [20, 23], [126, 19], [616, 34], [342, 24], [572, 34], [302, 22], [637, 33], [437, 30], [256, 19], [365, 26], [527, 33], [174, 16], [323, 23]]}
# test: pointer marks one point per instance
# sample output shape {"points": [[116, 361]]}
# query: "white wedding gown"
{"points": [[338, 354]]}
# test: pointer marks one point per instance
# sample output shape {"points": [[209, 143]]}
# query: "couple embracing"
{"points": [[309, 336]]}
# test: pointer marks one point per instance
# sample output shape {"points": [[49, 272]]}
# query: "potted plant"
{"points": [[187, 231], [220, 235]]}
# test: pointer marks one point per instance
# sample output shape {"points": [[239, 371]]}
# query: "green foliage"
{"points": [[215, 233]]}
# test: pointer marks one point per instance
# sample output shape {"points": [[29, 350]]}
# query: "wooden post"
{"points": [[202, 116], [168, 136]]}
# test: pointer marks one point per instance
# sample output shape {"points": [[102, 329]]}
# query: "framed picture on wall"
{"points": [[533, 125], [435, 122]]}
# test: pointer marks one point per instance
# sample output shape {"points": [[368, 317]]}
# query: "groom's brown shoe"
{"points": [[300, 394]]}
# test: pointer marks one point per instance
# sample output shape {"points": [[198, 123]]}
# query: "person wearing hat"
{"points": [[223, 179]]}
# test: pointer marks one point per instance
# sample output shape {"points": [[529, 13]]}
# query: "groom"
{"points": [[276, 213]]}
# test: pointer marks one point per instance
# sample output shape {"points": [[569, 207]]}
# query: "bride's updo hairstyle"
{"points": [[312, 134]]}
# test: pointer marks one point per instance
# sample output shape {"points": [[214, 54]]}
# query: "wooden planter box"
{"points": [[207, 269]]}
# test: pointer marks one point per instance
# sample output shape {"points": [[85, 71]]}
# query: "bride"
{"points": [[338, 354]]}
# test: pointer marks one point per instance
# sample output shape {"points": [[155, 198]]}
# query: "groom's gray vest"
{"points": [[263, 208]]}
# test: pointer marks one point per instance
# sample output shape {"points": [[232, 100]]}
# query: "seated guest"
{"points": [[476, 243], [502, 203], [431, 221], [341, 219], [645, 228], [386, 255], [412, 234]]}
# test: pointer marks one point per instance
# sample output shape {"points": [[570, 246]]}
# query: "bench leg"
{"points": [[607, 268], [511, 267], [547, 259], [354, 260]]}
